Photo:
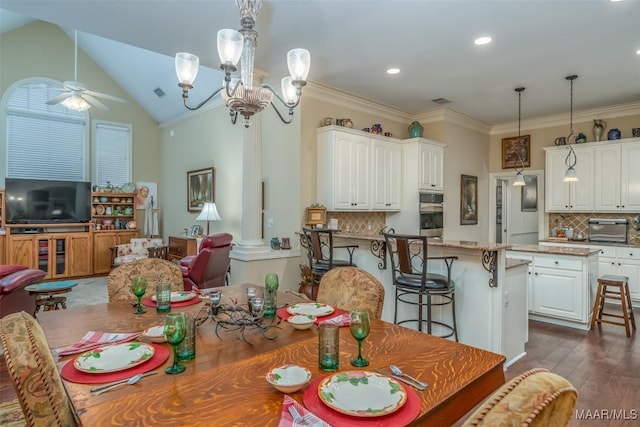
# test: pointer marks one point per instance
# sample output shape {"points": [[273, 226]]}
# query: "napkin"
{"points": [[93, 339], [340, 320], [286, 420]]}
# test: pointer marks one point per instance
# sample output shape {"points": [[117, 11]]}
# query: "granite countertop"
{"points": [[555, 250], [634, 243], [516, 262], [461, 244]]}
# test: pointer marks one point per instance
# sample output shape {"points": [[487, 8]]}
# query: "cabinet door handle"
{"points": [[556, 262], [536, 273]]}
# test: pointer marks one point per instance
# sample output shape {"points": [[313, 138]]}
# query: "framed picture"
{"points": [[468, 199], [200, 187], [316, 215], [529, 195], [512, 151], [195, 230], [145, 191]]}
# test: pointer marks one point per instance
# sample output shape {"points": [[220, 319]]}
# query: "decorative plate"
{"points": [[179, 296], [312, 308], [129, 187], [100, 210], [113, 358], [362, 393]]}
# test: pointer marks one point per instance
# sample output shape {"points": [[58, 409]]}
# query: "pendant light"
{"points": [[571, 159], [519, 182]]}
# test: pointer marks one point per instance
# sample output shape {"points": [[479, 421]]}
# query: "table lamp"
{"points": [[209, 213]]}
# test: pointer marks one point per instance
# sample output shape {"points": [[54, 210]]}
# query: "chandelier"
{"points": [[238, 92], [571, 159], [519, 182]]}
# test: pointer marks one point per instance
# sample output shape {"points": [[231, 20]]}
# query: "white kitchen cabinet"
{"points": [[630, 177], [431, 166], [569, 196], [622, 261], [617, 177], [386, 176]]}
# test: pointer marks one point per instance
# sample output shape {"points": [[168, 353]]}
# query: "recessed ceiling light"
{"points": [[482, 40], [638, 52], [614, 0], [393, 70]]}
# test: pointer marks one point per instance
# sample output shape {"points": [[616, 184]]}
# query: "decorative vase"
{"points": [[614, 134], [415, 129], [581, 138], [598, 128]]}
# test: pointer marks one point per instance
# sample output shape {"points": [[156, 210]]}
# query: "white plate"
{"points": [[155, 334], [362, 393], [179, 296], [312, 308], [113, 358]]}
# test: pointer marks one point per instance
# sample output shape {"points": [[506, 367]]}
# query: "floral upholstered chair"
{"points": [[138, 248], [350, 288], [33, 372], [154, 269], [537, 398]]}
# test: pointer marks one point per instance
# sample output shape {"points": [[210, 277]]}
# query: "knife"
{"points": [[403, 379], [100, 387]]}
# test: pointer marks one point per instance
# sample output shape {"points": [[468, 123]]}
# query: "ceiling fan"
{"points": [[76, 96]]}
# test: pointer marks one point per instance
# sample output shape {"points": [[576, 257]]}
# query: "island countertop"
{"points": [[460, 244], [555, 250]]}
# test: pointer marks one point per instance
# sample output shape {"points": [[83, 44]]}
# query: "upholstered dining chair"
{"points": [[537, 398], [33, 372], [351, 287], [156, 271]]}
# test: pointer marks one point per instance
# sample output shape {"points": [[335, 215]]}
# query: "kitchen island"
{"points": [[491, 299]]}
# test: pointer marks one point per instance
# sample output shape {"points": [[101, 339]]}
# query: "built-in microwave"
{"points": [[431, 214]]}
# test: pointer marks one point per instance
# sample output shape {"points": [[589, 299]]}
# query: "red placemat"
{"points": [[284, 314], [151, 303], [403, 416], [70, 373]]}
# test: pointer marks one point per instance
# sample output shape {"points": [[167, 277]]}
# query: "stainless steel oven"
{"points": [[611, 230], [431, 214]]}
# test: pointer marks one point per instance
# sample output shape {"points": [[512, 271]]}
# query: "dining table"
{"points": [[225, 384]]}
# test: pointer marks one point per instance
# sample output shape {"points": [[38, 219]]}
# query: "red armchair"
{"points": [[208, 269], [13, 297]]}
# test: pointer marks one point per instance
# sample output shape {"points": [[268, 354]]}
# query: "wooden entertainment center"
{"points": [[75, 249]]}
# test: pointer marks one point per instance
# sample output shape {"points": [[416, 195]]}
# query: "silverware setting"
{"points": [[398, 371], [98, 390], [421, 386]]}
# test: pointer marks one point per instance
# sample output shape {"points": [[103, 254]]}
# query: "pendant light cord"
{"points": [[568, 161], [519, 168]]}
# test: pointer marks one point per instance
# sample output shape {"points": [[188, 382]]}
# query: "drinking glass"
{"points": [[257, 308], [175, 329], [359, 327], [139, 287], [270, 294]]}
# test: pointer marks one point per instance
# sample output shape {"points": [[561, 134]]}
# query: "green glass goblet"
{"points": [[175, 329], [359, 326], [139, 287]]}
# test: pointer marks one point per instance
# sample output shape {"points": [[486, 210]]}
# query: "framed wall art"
{"points": [[316, 215], [468, 200], [200, 188], [529, 195], [144, 192], [511, 150]]}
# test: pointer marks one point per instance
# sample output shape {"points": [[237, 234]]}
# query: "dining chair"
{"points": [[350, 288], [320, 253], [416, 285], [156, 271], [33, 372], [537, 398]]}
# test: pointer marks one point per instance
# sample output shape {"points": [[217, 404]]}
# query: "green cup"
{"points": [[163, 297]]}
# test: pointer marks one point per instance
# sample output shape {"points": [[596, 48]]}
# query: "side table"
{"points": [[44, 294], [180, 247]]}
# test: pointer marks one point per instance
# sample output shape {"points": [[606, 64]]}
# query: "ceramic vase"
{"points": [[598, 128], [415, 129], [614, 134]]}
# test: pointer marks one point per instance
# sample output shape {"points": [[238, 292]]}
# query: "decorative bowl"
{"points": [[104, 199], [155, 334], [129, 187], [288, 378], [107, 221], [302, 321]]}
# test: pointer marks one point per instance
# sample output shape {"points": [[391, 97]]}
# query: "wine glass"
{"points": [[139, 287], [175, 329], [359, 326]]}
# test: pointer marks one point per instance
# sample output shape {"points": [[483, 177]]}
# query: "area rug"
{"points": [[11, 414]]}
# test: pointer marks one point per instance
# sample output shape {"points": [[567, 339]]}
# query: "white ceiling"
{"points": [[536, 43]]}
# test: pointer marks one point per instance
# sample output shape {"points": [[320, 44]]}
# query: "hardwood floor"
{"points": [[603, 365]]}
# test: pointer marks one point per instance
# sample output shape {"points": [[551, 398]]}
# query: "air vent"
{"points": [[159, 92], [441, 101]]}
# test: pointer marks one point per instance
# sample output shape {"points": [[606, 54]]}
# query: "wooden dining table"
{"points": [[225, 384]]}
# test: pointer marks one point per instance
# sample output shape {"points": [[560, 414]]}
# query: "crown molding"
{"points": [[609, 112], [453, 117]]}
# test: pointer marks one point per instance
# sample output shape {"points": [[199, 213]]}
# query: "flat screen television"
{"points": [[34, 201]]}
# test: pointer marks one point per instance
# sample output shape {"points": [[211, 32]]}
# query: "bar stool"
{"points": [[320, 247], [412, 280], [622, 294]]}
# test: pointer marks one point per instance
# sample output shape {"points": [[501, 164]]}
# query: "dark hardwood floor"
{"points": [[603, 365]]}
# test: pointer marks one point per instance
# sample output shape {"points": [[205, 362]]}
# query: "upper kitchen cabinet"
{"points": [[617, 177], [386, 176], [569, 196], [424, 160], [630, 176]]}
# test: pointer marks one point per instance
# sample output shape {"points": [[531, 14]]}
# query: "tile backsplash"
{"points": [[580, 222], [358, 222]]}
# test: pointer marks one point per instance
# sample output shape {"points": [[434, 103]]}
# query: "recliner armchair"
{"points": [[209, 268], [13, 297]]}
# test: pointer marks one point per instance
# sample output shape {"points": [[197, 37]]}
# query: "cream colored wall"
{"points": [[41, 49]]}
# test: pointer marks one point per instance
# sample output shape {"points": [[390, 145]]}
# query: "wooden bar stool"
{"points": [[621, 293]]}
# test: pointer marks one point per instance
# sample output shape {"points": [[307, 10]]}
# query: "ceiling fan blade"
{"points": [[59, 98], [91, 100], [102, 95]]}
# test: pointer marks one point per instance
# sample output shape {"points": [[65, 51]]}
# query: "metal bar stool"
{"points": [[412, 280], [620, 293]]}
